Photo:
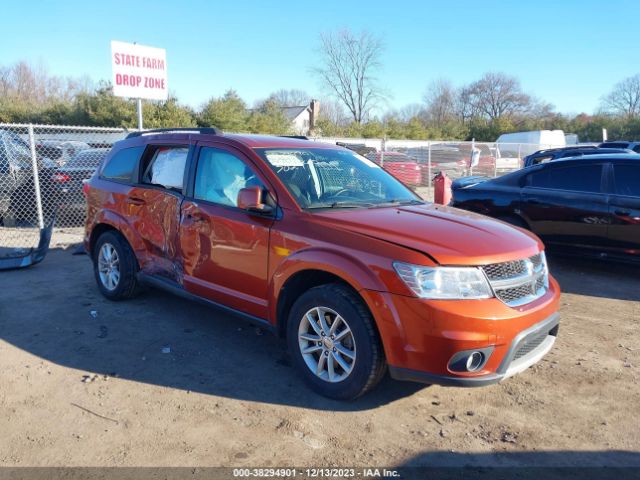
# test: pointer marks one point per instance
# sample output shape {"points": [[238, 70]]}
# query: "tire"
{"points": [[515, 221], [367, 366], [126, 285]]}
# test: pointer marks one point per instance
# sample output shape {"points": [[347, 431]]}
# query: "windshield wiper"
{"points": [[342, 204], [395, 202]]}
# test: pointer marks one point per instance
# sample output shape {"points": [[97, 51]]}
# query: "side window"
{"points": [[166, 167], [121, 166], [220, 175], [577, 178], [636, 149], [627, 180]]}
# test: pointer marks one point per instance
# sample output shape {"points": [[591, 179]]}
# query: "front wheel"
{"points": [[334, 343]]}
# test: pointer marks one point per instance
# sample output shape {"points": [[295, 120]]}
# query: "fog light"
{"points": [[475, 361], [469, 361]]}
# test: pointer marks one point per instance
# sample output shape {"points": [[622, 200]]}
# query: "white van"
{"points": [[521, 144]]}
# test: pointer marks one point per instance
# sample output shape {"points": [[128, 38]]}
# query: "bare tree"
{"points": [[412, 110], [333, 111], [496, 95], [624, 99], [440, 100], [465, 105], [290, 98], [348, 66], [33, 85]]}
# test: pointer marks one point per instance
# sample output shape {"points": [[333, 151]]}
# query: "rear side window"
{"points": [[627, 180], [636, 149], [166, 168], [121, 166], [577, 178]]}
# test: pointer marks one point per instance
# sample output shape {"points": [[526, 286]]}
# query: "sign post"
{"points": [[139, 71]]}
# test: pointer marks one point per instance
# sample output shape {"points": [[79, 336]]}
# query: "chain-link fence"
{"points": [[42, 169], [416, 162]]}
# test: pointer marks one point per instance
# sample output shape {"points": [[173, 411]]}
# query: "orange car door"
{"points": [[225, 249]]}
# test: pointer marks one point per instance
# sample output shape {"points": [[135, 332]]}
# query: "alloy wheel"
{"points": [[327, 344]]}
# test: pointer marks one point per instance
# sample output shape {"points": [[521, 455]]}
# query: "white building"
{"points": [[303, 118]]}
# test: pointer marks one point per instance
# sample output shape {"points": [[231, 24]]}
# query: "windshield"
{"points": [[324, 178]]}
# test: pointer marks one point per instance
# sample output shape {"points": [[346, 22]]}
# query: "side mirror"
{"points": [[250, 199]]}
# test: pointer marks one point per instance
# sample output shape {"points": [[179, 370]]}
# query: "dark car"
{"points": [[69, 179], [17, 197], [588, 205], [635, 146], [59, 152], [550, 154]]}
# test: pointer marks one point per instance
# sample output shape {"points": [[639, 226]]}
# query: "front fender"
{"points": [[350, 269]]}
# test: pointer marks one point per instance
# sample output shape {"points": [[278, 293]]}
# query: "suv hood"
{"points": [[448, 235]]}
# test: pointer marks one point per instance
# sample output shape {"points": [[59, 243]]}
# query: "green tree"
{"points": [[167, 114], [104, 109], [269, 118], [228, 113]]}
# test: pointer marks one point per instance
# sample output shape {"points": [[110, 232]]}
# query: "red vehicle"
{"points": [[325, 248], [401, 166]]}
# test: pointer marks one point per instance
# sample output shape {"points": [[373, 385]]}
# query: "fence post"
{"points": [[429, 166], [383, 147], [36, 177]]}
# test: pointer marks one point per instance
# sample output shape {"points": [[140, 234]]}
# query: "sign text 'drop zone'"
{"points": [[139, 71]]}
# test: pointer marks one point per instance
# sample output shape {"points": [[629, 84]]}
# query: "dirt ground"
{"points": [[162, 381]]}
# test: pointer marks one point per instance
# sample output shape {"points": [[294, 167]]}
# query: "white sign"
{"points": [[139, 71]]}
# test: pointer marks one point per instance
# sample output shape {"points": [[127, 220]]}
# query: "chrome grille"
{"points": [[520, 281]]}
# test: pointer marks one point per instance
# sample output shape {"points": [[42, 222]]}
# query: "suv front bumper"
{"points": [[423, 339], [526, 350]]}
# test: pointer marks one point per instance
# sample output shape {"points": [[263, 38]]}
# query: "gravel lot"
{"points": [[162, 381]]}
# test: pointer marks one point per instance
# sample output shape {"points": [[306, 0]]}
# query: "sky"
{"points": [[566, 52]]}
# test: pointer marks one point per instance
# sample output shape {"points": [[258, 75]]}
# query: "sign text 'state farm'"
{"points": [[139, 71]]}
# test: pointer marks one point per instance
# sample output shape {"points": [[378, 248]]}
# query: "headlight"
{"points": [[444, 283]]}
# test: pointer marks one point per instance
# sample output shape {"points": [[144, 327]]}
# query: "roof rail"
{"points": [[205, 130], [299, 137]]}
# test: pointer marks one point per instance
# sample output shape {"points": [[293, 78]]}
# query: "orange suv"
{"points": [[323, 247]]}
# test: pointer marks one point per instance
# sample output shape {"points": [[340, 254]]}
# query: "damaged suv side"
{"points": [[326, 249]]}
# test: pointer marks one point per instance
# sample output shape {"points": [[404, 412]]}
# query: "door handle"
{"points": [[135, 201], [622, 213]]}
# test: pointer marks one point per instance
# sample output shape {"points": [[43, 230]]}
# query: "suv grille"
{"points": [[519, 282]]}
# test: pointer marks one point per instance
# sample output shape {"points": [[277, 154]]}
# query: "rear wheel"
{"points": [[115, 266], [334, 343]]}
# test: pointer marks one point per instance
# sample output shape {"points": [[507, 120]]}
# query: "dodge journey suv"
{"points": [[325, 248]]}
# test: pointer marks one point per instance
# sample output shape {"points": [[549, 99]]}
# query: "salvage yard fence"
{"points": [[43, 167]]}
